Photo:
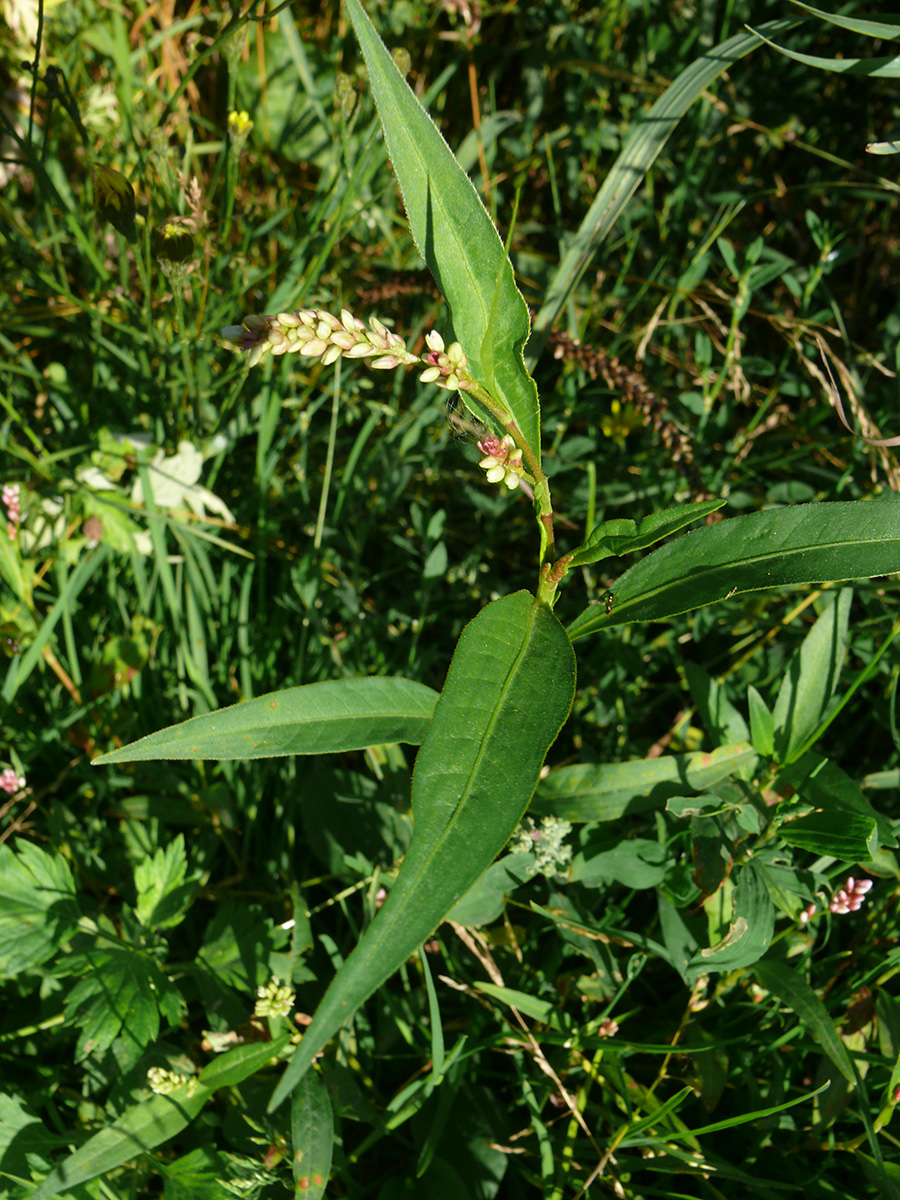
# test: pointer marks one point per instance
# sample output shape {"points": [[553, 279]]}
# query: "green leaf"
{"points": [[456, 238], [635, 863], [780, 547], [644, 143], [885, 26], [607, 791], [845, 835], [624, 536], [720, 717], [825, 786], [312, 1134], [319, 718], [811, 678], [486, 898], [507, 694], [750, 935], [117, 997], [795, 992], [141, 1128], [163, 897], [38, 909], [876, 68], [234, 1066], [762, 724]]}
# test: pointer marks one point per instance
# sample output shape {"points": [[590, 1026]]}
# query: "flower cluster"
{"points": [[847, 899], [274, 999], [11, 781], [546, 842], [448, 368], [607, 1027], [163, 1082], [13, 509], [502, 462], [318, 334], [850, 897]]}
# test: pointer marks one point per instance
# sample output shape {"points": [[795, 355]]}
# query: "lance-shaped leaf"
{"points": [[457, 239], [508, 691], [781, 547], [139, 1129], [650, 133], [319, 718], [624, 536]]}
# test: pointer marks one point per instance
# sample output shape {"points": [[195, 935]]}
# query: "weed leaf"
{"points": [[456, 237], [508, 691], [319, 718], [780, 547]]}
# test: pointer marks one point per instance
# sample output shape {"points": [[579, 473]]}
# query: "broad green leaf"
{"points": [[822, 783], [777, 548], [624, 536], [839, 834], [312, 1135], [38, 909], [456, 238], [750, 935], [791, 989], [635, 863], [877, 68], [811, 678], [141, 1128], [645, 141], [486, 898], [884, 26], [507, 694], [319, 718], [607, 791]]}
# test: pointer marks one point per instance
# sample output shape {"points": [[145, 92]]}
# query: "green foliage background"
{"points": [[358, 537]]}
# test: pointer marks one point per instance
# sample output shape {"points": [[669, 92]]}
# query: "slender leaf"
{"points": [[456, 237], [644, 143], [823, 784], [607, 791], [780, 547], [624, 536], [312, 1134], [234, 1066], [885, 26], [140, 1128], [811, 678], [508, 691], [319, 718], [795, 992], [887, 67]]}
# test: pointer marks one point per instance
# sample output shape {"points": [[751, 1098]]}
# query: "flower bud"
{"points": [[114, 200], [172, 241]]}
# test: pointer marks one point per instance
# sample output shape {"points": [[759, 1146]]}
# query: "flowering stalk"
{"points": [[12, 504], [315, 333]]}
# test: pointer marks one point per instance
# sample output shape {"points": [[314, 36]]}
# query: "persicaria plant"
{"points": [[485, 741]]}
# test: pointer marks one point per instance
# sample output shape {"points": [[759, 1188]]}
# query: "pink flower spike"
{"points": [[11, 781]]}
